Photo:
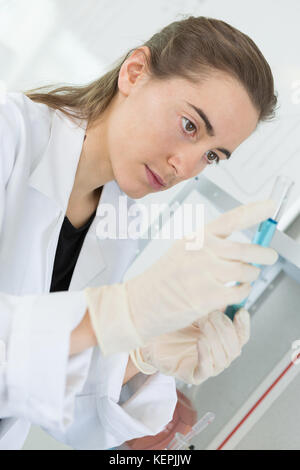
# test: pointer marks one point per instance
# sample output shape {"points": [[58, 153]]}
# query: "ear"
{"points": [[133, 69]]}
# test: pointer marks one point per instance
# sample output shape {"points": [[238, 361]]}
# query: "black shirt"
{"points": [[68, 248]]}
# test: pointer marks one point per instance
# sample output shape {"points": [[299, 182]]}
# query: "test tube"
{"points": [[181, 441], [265, 232]]}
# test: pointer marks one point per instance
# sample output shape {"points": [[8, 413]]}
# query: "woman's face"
{"points": [[169, 126]]}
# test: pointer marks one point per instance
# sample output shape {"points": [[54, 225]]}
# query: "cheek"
{"points": [[201, 165], [140, 138]]}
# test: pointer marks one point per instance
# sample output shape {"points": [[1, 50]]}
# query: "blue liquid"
{"points": [[263, 237]]}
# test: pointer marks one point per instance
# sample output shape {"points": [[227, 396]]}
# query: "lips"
{"points": [[159, 179], [154, 180]]}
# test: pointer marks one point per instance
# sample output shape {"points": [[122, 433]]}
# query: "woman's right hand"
{"points": [[183, 285]]}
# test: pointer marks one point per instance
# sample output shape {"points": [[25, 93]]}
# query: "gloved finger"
{"points": [[219, 296], [205, 363], [241, 323], [245, 252], [233, 294], [188, 366], [226, 271], [227, 335], [217, 351], [200, 322], [242, 217]]}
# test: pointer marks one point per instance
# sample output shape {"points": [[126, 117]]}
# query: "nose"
{"points": [[186, 165]]}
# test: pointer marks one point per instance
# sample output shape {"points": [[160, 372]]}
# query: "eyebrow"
{"points": [[225, 151], [209, 128]]}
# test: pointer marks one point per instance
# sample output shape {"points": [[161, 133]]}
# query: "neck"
{"points": [[94, 169]]}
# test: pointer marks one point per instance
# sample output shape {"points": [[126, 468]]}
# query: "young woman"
{"points": [[185, 99]]}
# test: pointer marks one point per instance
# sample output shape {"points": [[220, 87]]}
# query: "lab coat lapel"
{"points": [[55, 173], [104, 260], [91, 261]]}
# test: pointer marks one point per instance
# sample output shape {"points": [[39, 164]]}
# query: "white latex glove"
{"points": [[197, 352], [182, 285]]}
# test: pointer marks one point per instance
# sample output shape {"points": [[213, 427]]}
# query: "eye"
{"points": [[188, 127], [211, 157]]}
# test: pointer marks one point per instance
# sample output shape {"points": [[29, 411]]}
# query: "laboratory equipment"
{"points": [[266, 229], [180, 441]]}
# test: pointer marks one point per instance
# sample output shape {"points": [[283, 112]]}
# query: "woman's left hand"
{"points": [[197, 352]]}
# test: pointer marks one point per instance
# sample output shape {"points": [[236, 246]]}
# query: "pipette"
{"points": [[265, 232], [181, 441]]}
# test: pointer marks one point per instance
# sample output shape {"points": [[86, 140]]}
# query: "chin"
{"points": [[133, 192], [137, 194]]}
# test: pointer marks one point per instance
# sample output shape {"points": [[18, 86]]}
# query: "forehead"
{"points": [[221, 97]]}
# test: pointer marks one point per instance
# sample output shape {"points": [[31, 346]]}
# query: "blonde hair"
{"points": [[190, 48]]}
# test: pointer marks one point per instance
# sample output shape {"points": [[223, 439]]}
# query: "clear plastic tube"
{"points": [[280, 195], [181, 441]]}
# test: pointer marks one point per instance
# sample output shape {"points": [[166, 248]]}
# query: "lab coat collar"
{"points": [[55, 173]]}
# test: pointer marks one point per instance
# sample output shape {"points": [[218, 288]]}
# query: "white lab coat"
{"points": [[79, 400]]}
